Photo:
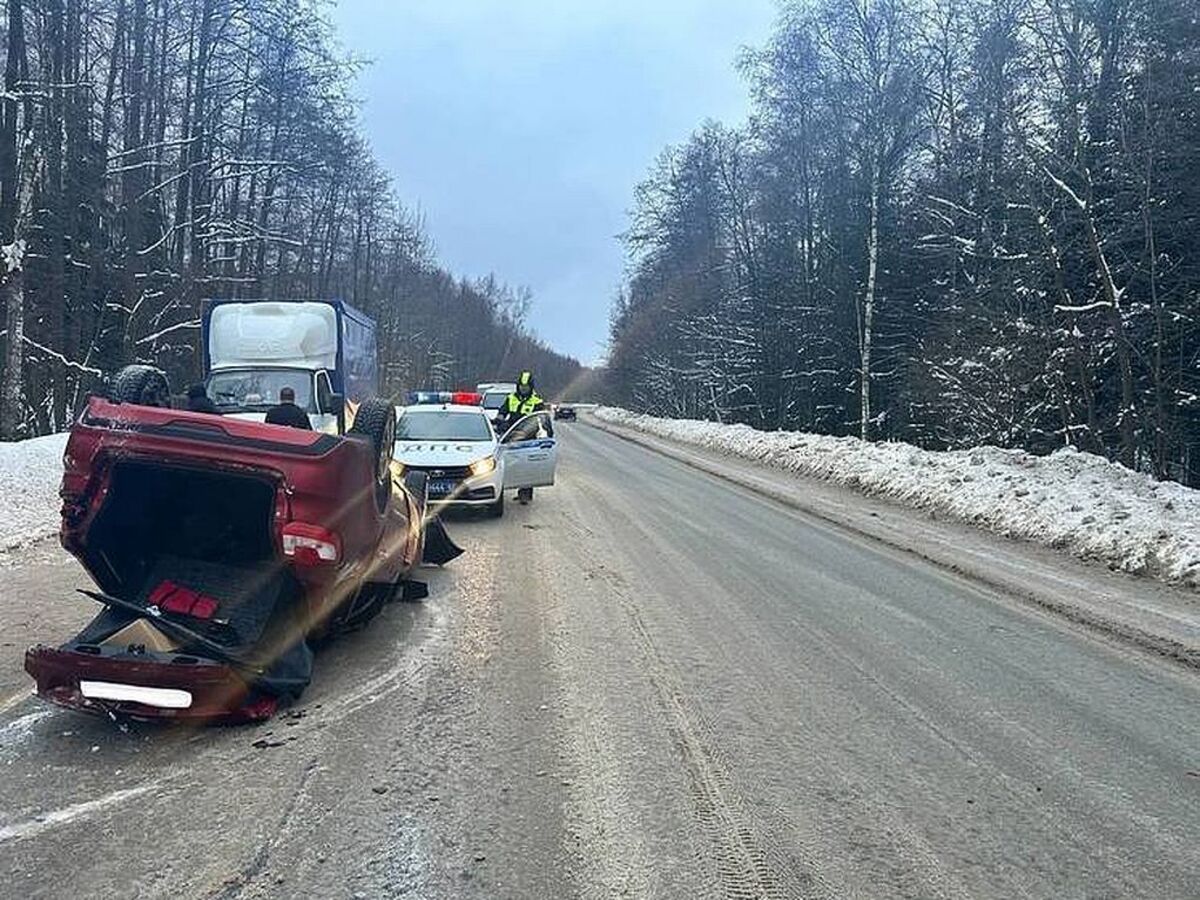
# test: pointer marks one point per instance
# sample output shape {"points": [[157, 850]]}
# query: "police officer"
{"points": [[524, 401]]}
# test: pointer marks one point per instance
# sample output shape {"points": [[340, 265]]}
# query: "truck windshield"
{"points": [[437, 425], [494, 399], [259, 389]]}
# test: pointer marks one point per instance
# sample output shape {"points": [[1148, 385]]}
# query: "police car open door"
{"points": [[530, 453]]}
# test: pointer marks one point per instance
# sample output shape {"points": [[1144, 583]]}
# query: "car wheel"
{"points": [[142, 386], [376, 421], [496, 510]]}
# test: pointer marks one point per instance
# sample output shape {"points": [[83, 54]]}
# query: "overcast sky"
{"points": [[520, 127]]}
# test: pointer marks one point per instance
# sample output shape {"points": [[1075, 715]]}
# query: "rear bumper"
{"points": [[216, 691]]}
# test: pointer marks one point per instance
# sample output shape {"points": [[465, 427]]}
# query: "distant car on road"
{"points": [[565, 413], [466, 464]]}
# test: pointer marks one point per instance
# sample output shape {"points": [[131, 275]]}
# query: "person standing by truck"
{"points": [[286, 412]]}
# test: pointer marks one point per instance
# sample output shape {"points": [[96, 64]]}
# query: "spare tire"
{"points": [[141, 385], [376, 421]]}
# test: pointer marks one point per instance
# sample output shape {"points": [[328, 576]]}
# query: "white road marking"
{"points": [[67, 814]]}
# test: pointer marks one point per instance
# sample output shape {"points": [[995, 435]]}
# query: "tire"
{"points": [[496, 510], [376, 421], [142, 386]]}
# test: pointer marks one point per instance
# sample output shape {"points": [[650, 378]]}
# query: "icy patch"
{"points": [[30, 472], [1076, 502]]}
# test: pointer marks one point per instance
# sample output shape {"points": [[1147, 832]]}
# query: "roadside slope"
{"points": [[30, 472]]}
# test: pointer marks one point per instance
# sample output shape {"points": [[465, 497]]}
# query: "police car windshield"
{"points": [[440, 425]]}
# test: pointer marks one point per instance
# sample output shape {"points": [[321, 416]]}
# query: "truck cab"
{"points": [[324, 350]]}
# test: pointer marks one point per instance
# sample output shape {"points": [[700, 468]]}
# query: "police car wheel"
{"points": [[496, 510]]}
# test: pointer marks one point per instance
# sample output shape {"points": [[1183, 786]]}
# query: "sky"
{"points": [[519, 128]]}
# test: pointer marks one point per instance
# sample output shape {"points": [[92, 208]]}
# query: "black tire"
{"points": [[376, 421], [141, 385], [496, 510]]}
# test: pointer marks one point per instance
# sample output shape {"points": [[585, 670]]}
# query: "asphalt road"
{"points": [[649, 683]]}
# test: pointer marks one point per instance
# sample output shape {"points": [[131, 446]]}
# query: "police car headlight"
{"points": [[398, 468], [483, 466]]}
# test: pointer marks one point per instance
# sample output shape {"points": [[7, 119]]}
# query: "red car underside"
{"points": [[191, 507]]}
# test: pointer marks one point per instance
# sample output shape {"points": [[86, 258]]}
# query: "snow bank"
{"points": [[30, 472], [1073, 501]]}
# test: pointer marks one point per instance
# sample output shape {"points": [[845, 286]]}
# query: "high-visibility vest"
{"points": [[515, 405]]}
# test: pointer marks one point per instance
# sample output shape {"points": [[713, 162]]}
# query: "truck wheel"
{"points": [[376, 421], [141, 385]]}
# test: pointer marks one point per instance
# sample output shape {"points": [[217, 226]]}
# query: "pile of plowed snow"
{"points": [[30, 473], [1074, 501]]}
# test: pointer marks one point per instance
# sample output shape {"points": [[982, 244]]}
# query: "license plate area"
{"points": [[163, 698], [442, 487]]}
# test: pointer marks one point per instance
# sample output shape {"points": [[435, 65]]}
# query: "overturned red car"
{"points": [[220, 549]]}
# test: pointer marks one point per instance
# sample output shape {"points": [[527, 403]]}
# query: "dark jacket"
{"points": [[202, 403], [288, 414]]}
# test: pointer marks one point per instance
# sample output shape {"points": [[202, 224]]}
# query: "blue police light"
{"points": [[417, 398]]}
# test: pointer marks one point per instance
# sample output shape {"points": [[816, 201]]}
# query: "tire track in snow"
{"points": [[744, 863]]}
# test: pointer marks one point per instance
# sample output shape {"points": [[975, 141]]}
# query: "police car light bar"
{"points": [[458, 398], [418, 397]]}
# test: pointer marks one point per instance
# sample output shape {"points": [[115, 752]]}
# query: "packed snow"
{"points": [[30, 472], [1076, 502]]}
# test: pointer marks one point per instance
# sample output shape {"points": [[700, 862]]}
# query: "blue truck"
{"points": [[324, 350]]}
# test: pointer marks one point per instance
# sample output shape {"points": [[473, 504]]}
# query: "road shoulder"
{"points": [[1157, 618]]}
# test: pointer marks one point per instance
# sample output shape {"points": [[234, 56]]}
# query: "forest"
{"points": [[947, 222], [157, 152]]}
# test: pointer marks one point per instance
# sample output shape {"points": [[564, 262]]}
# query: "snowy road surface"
{"points": [[650, 683]]}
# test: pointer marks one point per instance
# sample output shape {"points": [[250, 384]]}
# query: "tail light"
{"points": [[311, 545]]}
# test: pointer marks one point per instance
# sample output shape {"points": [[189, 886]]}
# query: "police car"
{"points": [[449, 437]]}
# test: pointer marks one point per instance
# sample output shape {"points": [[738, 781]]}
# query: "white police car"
{"points": [[450, 438]]}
